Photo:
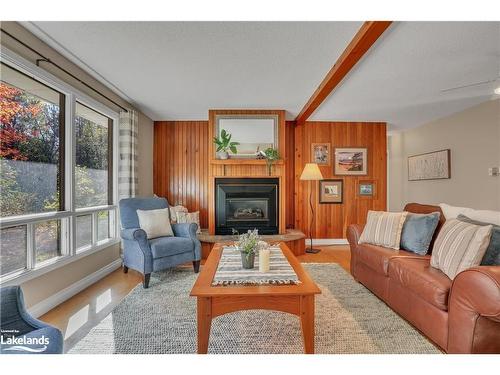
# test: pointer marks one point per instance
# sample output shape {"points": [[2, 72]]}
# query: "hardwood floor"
{"points": [[79, 314]]}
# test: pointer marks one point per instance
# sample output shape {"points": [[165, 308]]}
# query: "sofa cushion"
{"points": [[418, 231], [167, 246], [416, 275], [487, 216], [377, 257]]}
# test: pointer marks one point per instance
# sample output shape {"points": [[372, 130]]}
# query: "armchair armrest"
{"points": [[475, 294], [188, 230], [134, 234]]}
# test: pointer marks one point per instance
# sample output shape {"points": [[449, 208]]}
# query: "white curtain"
{"points": [[127, 169]]}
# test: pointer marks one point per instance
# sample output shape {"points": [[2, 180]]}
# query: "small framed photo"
{"points": [[330, 191], [320, 153], [366, 188], [351, 161]]}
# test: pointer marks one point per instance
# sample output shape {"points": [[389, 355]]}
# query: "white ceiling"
{"points": [[180, 70]]}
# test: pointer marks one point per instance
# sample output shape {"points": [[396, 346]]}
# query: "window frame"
{"points": [[67, 213]]}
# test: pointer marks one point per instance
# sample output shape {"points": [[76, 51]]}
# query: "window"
{"points": [[92, 170], [56, 181], [31, 126]]}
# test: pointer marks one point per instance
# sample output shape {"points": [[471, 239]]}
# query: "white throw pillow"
{"points": [[191, 217], [383, 228], [156, 223], [486, 216], [459, 246]]}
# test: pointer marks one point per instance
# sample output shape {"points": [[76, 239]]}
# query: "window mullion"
{"points": [[30, 246]]}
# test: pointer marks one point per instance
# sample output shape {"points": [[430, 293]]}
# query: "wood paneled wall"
{"points": [[180, 164], [332, 219]]}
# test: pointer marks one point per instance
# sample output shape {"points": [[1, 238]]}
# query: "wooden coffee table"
{"points": [[214, 301]]}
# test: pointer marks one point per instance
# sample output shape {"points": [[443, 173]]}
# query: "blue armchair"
{"points": [[21, 333], [146, 256]]}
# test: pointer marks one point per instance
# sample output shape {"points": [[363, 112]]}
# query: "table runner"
{"points": [[230, 271]]}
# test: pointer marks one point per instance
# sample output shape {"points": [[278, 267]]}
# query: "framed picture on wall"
{"points": [[320, 153], [429, 166], [351, 161], [331, 191], [366, 188]]}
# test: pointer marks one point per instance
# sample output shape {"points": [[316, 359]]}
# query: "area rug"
{"points": [[162, 319]]}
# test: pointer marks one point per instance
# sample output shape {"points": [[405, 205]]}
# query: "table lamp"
{"points": [[311, 173]]}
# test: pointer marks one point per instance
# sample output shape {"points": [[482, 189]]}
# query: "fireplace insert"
{"points": [[243, 204]]}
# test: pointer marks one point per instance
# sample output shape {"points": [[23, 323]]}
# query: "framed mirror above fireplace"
{"points": [[243, 204], [253, 132]]}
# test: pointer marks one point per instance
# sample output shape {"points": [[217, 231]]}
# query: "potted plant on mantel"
{"points": [[248, 244], [271, 155], [224, 144]]}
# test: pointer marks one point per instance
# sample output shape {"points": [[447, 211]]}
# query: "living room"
{"points": [[263, 187]]}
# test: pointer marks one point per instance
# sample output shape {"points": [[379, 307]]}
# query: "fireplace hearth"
{"points": [[243, 204]]}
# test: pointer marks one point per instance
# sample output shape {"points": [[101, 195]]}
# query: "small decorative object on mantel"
{"points": [[224, 144], [248, 244], [430, 166], [271, 155]]}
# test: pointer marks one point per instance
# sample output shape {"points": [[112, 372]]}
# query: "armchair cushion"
{"points": [[156, 223], [167, 246]]}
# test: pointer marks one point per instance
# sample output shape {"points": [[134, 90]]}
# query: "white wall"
{"points": [[145, 151], [473, 136]]}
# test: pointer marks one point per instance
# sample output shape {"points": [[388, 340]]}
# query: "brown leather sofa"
{"points": [[460, 316]]}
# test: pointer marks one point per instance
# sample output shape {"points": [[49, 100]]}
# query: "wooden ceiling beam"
{"points": [[366, 36]]}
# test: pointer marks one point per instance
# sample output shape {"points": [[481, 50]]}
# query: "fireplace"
{"points": [[246, 203]]}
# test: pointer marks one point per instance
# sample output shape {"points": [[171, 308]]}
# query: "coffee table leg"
{"points": [[307, 322], [204, 323]]}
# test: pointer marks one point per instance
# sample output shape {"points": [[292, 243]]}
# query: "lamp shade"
{"points": [[311, 172]]}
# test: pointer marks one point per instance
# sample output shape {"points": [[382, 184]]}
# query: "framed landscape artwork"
{"points": [[429, 166], [320, 153], [366, 188], [330, 191], [351, 161]]}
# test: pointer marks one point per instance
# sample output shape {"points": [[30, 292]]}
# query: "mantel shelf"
{"points": [[244, 161]]}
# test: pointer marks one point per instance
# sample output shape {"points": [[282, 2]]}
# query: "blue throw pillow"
{"points": [[417, 233], [492, 255]]}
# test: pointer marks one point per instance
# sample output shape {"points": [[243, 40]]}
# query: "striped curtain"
{"points": [[127, 170]]}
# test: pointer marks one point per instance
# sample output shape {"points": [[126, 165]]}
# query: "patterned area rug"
{"points": [[162, 319]]}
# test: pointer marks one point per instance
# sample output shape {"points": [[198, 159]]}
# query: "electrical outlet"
{"points": [[493, 171]]}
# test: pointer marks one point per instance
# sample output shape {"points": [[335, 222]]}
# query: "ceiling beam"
{"points": [[366, 36]]}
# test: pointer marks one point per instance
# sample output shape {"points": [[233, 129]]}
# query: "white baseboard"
{"points": [[327, 241], [56, 299]]}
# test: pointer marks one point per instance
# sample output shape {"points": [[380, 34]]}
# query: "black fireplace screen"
{"points": [[246, 203]]}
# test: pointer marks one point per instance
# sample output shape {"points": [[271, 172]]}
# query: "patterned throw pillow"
{"points": [[383, 228], [492, 254], [191, 217], [173, 212], [459, 246]]}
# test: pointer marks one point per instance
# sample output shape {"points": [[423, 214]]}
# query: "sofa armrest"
{"points": [[475, 293], [188, 230], [353, 233]]}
